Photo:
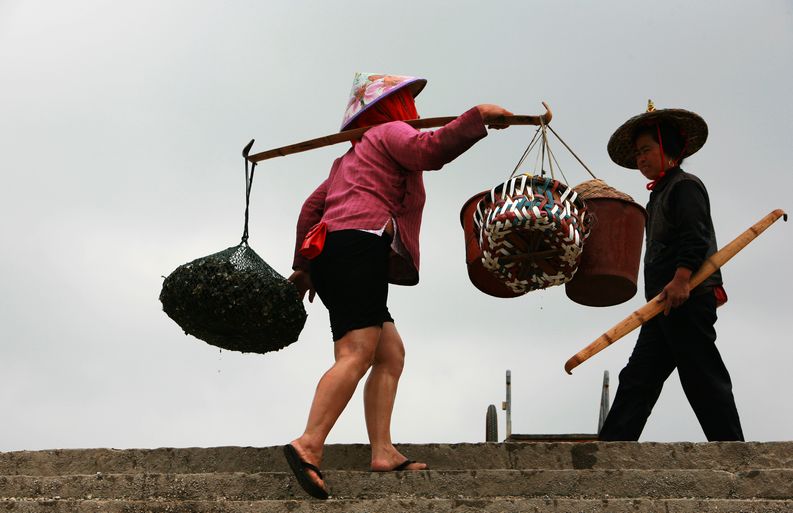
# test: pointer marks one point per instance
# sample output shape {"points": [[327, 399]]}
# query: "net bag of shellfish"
{"points": [[531, 232], [234, 300]]}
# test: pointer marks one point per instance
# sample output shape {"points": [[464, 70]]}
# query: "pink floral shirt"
{"points": [[381, 178]]}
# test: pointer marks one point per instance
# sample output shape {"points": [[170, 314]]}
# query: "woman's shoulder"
{"points": [[391, 126], [386, 136], [687, 185], [685, 176]]}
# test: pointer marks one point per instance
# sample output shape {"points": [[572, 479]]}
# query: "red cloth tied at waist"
{"points": [[314, 241], [721, 295]]}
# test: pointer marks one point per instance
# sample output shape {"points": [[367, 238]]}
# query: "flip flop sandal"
{"points": [[402, 466], [300, 468]]}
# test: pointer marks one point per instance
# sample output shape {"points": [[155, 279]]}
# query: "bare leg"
{"points": [[354, 354], [379, 395]]}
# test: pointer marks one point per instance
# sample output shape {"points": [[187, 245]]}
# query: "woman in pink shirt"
{"points": [[371, 204]]}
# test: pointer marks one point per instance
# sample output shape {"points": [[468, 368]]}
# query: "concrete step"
{"points": [[728, 456], [496, 505], [444, 484]]}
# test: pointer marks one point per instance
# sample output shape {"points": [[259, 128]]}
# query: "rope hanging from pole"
{"points": [[572, 152], [248, 187]]}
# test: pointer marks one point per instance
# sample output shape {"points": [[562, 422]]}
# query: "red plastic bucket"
{"points": [[482, 278], [609, 266]]}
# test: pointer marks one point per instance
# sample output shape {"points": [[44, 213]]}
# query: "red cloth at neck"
{"points": [[651, 185], [398, 106]]}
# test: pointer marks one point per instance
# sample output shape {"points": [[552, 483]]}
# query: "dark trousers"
{"points": [[684, 340]]}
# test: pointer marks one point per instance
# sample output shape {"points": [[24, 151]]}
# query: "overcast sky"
{"points": [[121, 126]]}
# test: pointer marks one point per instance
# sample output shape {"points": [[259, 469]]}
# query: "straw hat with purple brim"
{"points": [[692, 128], [369, 88]]}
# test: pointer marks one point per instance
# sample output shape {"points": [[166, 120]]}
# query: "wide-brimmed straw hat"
{"points": [[369, 88], [693, 130]]}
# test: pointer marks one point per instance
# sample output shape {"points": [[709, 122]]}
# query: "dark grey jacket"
{"points": [[679, 232]]}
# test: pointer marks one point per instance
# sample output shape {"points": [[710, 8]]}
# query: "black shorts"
{"points": [[351, 278]]}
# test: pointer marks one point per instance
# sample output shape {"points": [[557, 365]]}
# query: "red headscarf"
{"points": [[397, 106]]}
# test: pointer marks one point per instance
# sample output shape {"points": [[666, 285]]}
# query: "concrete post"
{"points": [[507, 405], [604, 401]]}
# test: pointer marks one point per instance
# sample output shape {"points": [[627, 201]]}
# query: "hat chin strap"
{"points": [[650, 186]]}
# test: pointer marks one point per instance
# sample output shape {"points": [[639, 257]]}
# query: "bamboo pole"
{"points": [[350, 135], [656, 305]]}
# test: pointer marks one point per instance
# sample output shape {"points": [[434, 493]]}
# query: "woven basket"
{"points": [[531, 232]]}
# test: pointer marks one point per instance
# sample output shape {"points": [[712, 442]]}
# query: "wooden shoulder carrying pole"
{"points": [[656, 305], [350, 135]]}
